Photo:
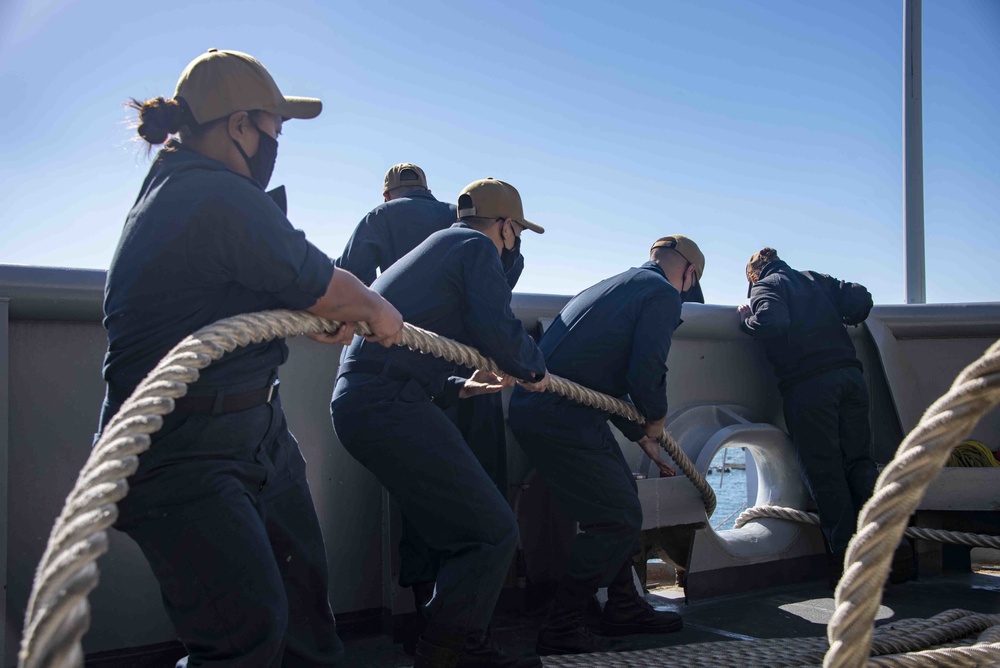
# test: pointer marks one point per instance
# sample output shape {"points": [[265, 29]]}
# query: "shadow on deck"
{"points": [[796, 611]]}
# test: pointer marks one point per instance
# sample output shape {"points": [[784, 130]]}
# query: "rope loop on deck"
{"points": [[58, 613]]}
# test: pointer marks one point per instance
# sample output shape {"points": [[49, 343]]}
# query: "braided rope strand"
{"points": [[920, 533], [891, 640], [58, 612], [430, 343], [898, 491]]}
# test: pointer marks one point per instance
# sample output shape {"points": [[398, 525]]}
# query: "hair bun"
{"points": [[159, 118]]}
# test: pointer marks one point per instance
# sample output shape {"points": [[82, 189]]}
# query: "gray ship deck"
{"points": [[799, 611]]}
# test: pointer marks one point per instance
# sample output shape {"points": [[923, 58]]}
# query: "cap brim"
{"points": [[302, 108], [538, 229]]}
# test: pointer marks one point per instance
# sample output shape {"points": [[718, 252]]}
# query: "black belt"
{"points": [[226, 403]]}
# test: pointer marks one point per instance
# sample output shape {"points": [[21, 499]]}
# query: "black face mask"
{"points": [[693, 294], [509, 256], [261, 165]]}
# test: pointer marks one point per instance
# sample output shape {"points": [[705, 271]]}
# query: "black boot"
{"points": [[422, 593], [564, 631], [482, 652], [438, 653], [836, 568], [626, 612]]}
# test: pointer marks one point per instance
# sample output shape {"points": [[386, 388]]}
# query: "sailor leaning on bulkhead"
{"points": [[409, 214], [220, 504], [801, 319]]}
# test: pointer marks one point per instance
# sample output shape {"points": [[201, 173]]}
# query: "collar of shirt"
{"points": [[654, 267], [420, 194], [179, 157], [772, 267]]}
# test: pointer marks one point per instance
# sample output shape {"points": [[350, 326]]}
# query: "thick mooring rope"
{"points": [[58, 613], [898, 491], [891, 644], [920, 533], [430, 343]]}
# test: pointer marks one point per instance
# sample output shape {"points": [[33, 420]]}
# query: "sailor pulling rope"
{"points": [[57, 614]]}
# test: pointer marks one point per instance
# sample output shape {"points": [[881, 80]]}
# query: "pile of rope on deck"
{"points": [[957, 629], [972, 454], [58, 613]]}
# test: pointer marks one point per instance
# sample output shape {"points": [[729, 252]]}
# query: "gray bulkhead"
{"points": [[51, 349]]}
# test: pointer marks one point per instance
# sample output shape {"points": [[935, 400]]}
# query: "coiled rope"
{"points": [[58, 613], [972, 454], [890, 647]]}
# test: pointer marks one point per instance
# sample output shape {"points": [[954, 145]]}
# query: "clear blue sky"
{"points": [[741, 124]]}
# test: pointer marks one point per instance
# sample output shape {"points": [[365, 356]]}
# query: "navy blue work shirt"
{"points": [[203, 243], [452, 284], [393, 229], [800, 316], [614, 337]]}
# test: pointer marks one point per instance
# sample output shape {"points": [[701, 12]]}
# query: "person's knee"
{"points": [[495, 529]]}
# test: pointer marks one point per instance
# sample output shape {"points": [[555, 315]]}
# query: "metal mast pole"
{"points": [[913, 155]]}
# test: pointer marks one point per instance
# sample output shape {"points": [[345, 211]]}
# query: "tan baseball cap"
{"points": [[688, 249], [395, 177], [219, 83], [491, 198]]}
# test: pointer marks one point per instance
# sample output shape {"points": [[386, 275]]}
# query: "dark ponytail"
{"points": [[161, 117]]}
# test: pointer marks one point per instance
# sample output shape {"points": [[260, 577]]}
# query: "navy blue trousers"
{"points": [[480, 420], [574, 450], [221, 509], [827, 418], [395, 430]]}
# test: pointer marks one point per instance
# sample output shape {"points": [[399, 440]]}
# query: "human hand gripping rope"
{"points": [[58, 613]]}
